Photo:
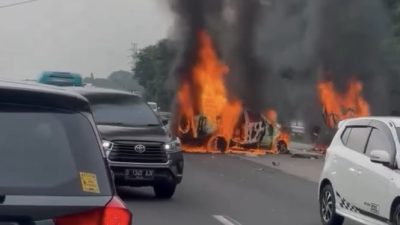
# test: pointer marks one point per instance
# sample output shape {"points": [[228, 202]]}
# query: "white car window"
{"points": [[378, 141], [345, 135], [358, 138]]}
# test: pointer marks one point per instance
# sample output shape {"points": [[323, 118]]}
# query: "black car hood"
{"points": [[125, 133]]}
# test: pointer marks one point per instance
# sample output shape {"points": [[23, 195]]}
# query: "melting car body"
{"points": [[252, 131], [53, 170]]}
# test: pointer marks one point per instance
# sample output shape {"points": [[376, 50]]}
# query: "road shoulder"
{"points": [[307, 168]]}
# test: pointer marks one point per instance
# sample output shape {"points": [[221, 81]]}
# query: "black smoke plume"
{"points": [[232, 25], [343, 38], [276, 49], [351, 43], [247, 78], [191, 18]]}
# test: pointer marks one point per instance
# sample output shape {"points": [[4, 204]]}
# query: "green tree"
{"points": [[152, 66]]}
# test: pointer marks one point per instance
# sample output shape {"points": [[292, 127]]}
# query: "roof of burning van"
{"points": [[41, 95]]}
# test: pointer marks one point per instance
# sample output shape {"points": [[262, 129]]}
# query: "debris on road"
{"points": [[275, 163]]}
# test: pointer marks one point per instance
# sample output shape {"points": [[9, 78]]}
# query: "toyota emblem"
{"points": [[140, 148]]}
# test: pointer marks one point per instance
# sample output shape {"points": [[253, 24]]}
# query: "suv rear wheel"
{"points": [[164, 190], [327, 207]]}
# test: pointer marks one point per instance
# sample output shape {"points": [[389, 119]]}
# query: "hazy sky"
{"points": [[81, 36]]}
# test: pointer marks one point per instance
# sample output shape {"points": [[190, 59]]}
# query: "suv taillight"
{"points": [[114, 213]]}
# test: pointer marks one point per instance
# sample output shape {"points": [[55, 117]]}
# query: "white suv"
{"points": [[361, 176]]}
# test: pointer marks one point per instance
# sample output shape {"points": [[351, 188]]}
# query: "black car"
{"points": [[141, 150], [52, 166]]}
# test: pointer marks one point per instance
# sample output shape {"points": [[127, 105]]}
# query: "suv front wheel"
{"points": [[164, 190], [327, 207]]}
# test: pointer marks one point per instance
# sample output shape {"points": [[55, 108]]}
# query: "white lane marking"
{"points": [[226, 220]]}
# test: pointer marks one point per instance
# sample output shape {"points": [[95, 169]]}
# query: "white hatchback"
{"points": [[361, 176]]}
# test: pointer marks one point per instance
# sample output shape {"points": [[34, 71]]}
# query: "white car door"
{"points": [[373, 179], [346, 158]]}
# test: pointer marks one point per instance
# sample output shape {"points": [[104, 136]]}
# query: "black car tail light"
{"points": [[114, 213]]}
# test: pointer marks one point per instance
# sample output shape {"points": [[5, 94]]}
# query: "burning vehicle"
{"points": [[338, 106], [209, 119], [252, 132]]}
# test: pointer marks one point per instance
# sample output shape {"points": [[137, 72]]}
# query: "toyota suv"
{"points": [[52, 166], [140, 149], [361, 177]]}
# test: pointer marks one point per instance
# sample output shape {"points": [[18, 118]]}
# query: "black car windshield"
{"points": [[122, 110], [49, 153]]}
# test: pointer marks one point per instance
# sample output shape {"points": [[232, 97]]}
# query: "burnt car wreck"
{"points": [[253, 131]]}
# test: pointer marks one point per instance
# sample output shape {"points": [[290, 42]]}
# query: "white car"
{"points": [[361, 177]]}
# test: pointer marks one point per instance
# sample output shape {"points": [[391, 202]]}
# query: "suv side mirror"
{"points": [[380, 156]]}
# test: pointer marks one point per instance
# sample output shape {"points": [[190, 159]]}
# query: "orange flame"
{"points": [[338, 106], [207, 119], [230, 115], [204, 96], [284, 136], [186, 124]]}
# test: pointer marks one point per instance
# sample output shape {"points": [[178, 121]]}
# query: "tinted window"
{"points": [[379, 141], [127, 110], [358, 138], [345, 135], [44, 152]]}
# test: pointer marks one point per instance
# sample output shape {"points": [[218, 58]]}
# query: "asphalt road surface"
{"points": [[228, 190]]}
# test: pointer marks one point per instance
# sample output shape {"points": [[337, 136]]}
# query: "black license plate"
{"points": [[139, 174]]}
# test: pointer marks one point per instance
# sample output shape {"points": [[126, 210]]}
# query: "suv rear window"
{"points": [[43, 152]]}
